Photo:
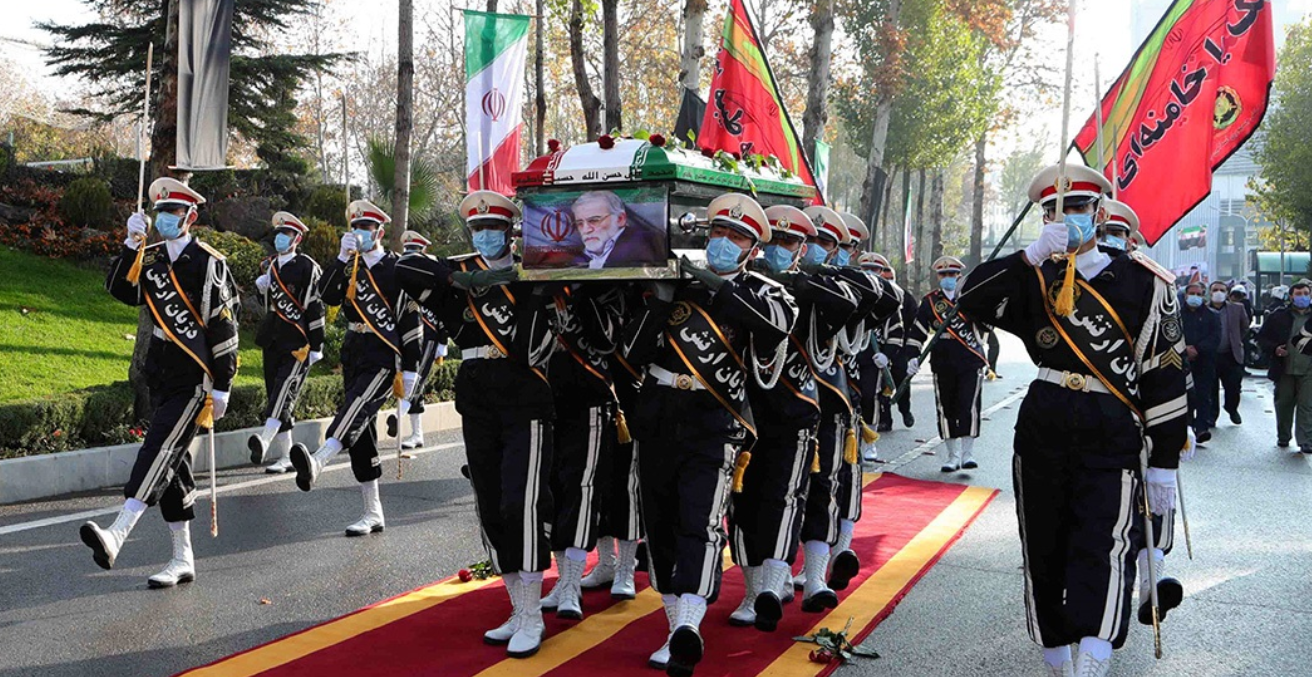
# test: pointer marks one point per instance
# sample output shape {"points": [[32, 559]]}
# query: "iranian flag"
{"points": [[745, 114], [496, 50], [1191, 96]]}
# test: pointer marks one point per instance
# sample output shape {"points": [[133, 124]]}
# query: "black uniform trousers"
{"points": [[368, 370], [822, 512], [687, 444], [847, 493], [898, 367], [283, 377], [958, 394], [580, 465], [1078, 498], [619, 507], [427, 359], [162, 472], [869, 384], [765, 520]]}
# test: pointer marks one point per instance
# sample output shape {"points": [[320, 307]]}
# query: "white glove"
{"points": [[137, 227], [408, 380], [349, 245], [441, 350], [913, 366], [1190, 446], [262, 283], [220, 403], [1161, 490], [1052, 240], [881, 360], [314, 356]]}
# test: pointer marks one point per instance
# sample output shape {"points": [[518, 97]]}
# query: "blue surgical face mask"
{"points": [[1114, 242], [842, 258], [283, 242], [778, 258], [364, 238], [1195, 301], [1302, 302], [489, 242], [1079, 229], [814, 253], [722, 255], [168, 225], [947, 284]]}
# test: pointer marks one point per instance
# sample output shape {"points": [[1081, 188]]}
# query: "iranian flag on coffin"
{"points": [[1191, 96], [496, 50]]}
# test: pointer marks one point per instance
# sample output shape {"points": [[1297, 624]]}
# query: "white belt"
{"points": [[159, 334], [670, 379], [482, 353], [1072, 380], [359, 327]]}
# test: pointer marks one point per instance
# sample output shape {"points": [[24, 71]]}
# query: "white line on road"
{"points": [[89, 514]]}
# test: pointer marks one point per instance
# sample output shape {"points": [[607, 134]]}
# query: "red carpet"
{"points": [[907, 525]]}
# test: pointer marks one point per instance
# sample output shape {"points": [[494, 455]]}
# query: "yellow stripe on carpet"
{"points": [[298, 646], [884, 584]]}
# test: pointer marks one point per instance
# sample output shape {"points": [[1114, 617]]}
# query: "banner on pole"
{"points": [[204, 60], [822, 169], [1192, 95], [496, 52]]}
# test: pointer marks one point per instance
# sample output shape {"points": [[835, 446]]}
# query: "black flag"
{"points": [[204, 57], [691, 112]]}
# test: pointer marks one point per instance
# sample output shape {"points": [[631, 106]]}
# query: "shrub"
{"points": [[327, 202], [244, 256], [322, 242], [87, 204]]}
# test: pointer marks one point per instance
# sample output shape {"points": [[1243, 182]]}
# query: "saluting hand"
{"points": [[1052, 240], [349, 245], [137, 227]]}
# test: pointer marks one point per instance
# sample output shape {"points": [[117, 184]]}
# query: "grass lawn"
{"points": [[61, 331]]}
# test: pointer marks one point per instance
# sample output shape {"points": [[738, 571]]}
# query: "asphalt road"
{"points": [[1248, 609]]}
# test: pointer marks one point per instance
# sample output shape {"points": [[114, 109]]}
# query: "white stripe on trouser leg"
{"points": [[1166, 535], [164, 455], [1031, 606], [942, 415], [583, 525], [343, 429], [711, 557], [800, 461], [739, 534], [835, 468], [1112, 607], [633, 531], [284, 393], [531, 482], [974, 405]]}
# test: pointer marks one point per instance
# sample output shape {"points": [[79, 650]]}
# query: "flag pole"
{"points": [[1097, 112], [141, 134]]}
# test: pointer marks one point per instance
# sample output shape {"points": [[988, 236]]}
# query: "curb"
{"points": [[66, 472]]}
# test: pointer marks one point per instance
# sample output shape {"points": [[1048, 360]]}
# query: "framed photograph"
{"points": [[597, 232]]}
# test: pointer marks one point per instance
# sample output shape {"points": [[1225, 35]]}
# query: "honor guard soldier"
{"points": [[1110, 393], [291, 336], [692, 424], [587, 325], [432, 352], [505, 402], [892, 335], [959, 361], [381, 348], [186, 286], [1119, 225], [875, 362], [765, 519]]}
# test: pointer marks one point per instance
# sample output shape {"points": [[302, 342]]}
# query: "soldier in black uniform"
{"points": [[383, 338], [505, 337], [1110, 392], [587, 324], [893, 340], [692, 425], [431, 354], [291, 336], [959, 361], [876, 361], [765, 519], [1119, 225], [192, 360]]}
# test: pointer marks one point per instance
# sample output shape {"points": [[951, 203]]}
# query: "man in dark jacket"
{"points": [[1229, 303], [1202, 335], [1285, 338]]}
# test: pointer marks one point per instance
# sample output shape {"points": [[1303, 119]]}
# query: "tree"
{"points": [[539, 84], [1285, 190], [405, 80], [690, 63], [424, 188], [587, 98], [610, 30], [817, 95]]}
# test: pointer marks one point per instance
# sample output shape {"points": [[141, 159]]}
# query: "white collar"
{"points": [[176, 246], [952, 295], [373, 256], [502, 263], [283, 259], [1092, 262]]}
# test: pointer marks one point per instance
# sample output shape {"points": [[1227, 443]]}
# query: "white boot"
{"points": [[1169, 590], [745, 614], [625, 566], [686, 646], [308, 466], [105, 543], [569, 604], [182, 568], [1057, 662], [816, 596], [528, 636], [416, 438], [845, 565], [501, 635], [1086, 665], [769, 605], [259, 444], [661, 657], [967, 457], [953, 462], [603, 574], [552, 601], [281, 441], [373, 512], [869, 452]]}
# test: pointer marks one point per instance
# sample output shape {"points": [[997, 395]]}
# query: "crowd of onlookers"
{"points": [[1224, 334]]}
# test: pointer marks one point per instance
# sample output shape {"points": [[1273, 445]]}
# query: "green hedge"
{"points": [[103, 415]]}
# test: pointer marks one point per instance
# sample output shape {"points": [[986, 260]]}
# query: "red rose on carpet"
{"points": [[606, 141], [465, 576], [821, 656]]}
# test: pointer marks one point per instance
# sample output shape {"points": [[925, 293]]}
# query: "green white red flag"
{"points": [[1192, 95], [496, 51], [745, 114]]}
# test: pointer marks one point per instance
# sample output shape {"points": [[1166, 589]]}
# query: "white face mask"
{"points": [[1218, 297]]}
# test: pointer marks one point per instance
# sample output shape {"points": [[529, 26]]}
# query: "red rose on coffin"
{"points": [[708, 152], [553, 145], [656, 140], [606, 141], [465, 576]]}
